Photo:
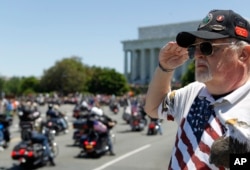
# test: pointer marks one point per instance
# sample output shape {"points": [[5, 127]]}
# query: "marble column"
{"points": [[126, 65], [133, 66], [142, 66]]}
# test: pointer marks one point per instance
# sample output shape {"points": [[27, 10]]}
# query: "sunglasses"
{"points": [[206, 48]]}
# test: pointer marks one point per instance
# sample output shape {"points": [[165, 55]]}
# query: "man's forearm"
{"points": [[158, 87]]}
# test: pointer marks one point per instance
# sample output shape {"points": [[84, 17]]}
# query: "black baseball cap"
{"points": [[216, 25]]}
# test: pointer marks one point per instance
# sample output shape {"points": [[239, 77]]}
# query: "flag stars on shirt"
{"points": [[200, 113]]}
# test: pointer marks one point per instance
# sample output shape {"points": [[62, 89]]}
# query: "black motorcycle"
{"points": [[80, 128], [137, 121], [95, 143], [29, 153], [153, 128], [114, 107]]}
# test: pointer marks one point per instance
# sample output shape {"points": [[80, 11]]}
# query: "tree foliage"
{"points": [[19, 85], [2, 81], [66, 76], [189, 76], [30, 85], [12, 85], [107, 81]]}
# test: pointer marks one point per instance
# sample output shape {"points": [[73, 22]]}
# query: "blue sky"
{"points": [[34, 34]]}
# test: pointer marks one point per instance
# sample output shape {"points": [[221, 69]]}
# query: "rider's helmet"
{"points": [[96, 111]]}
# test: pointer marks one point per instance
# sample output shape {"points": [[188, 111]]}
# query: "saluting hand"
{"points": [[171, 55]]}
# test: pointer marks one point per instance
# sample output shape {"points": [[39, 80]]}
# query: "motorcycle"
{"points": [[95, 143], [30, 154], [81, 127], [137, 123], [153, 128], [114, 108], [126, 114]]}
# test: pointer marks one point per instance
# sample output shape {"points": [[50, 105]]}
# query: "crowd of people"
{"points": [[28, 110]]}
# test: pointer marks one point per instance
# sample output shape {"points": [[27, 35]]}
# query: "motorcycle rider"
{"points": [[6, 133], [81, 109], [54, 112], [106, 120], [27, 113], [84, 106], [114, 106]]}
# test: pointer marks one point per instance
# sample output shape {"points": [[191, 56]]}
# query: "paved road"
{"points": [[134, 150]]}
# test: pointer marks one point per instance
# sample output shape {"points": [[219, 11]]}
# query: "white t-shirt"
{"points": [[195, 135]]}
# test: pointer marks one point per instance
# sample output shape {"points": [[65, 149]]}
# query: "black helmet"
{"points": [[50, 106]]}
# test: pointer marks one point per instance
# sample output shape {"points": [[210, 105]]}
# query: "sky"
{"points": [[35, 34]]}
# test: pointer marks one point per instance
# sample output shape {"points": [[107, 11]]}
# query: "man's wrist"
{"points": [[164, 69]]}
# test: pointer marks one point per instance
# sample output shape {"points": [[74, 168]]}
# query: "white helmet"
{"points": [[97, 111], [85, 104]]}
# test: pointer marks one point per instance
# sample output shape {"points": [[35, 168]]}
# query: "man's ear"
{"points": [[245, 53]]}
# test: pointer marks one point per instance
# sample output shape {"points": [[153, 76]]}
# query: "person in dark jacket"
{"points": [[106, 120]]}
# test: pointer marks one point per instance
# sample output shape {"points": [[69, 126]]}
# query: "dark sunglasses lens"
{"points": [[206, 48], [191, 51]]}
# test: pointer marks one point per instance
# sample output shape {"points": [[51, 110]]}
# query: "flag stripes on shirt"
{"points": [[195, 136]]}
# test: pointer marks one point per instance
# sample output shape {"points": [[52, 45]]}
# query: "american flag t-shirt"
{"points": [[196, 133]]}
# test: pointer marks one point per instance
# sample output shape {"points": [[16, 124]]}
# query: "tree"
{"points": [[189, 76], [2, 82], [107, 81], [12, 86], [30, 85], [66, 76]]}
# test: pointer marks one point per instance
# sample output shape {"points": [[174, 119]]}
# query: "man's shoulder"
{"points": [[195, 84], [192, 88]]}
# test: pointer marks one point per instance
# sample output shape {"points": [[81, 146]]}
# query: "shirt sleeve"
{"points": [[177, 103], [165, 110]]}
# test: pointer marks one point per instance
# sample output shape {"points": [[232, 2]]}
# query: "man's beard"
{"points": [[203, 76]]}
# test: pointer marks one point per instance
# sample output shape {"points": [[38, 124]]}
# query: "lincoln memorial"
{"points": [[141, 55]]}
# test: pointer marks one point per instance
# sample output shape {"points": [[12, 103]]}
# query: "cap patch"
{"points": [[240, 22], [206, 20], [220, 18], [241, 31]]}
